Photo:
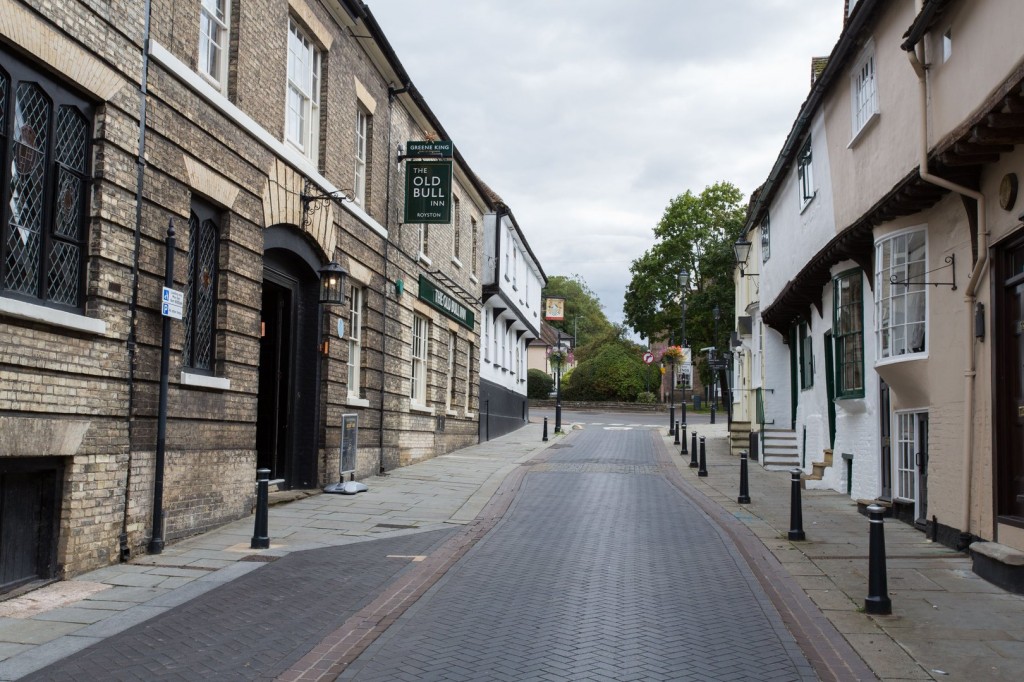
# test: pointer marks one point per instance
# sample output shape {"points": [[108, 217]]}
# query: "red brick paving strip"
{"points": [[825, 648], [335, 652]]}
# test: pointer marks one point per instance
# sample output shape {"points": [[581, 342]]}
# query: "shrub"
{"points": [[538, 384], [646, 397], [614, 373]]}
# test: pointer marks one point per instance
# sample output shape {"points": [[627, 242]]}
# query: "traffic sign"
{"points": [[172, 303], [648, 358]]}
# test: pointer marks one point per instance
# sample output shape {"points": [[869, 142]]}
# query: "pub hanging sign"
{"points": [[428, 192], [445, 302]]}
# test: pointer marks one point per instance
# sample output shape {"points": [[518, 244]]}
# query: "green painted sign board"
{"points": [[445, 302], [428, 192], [436, 148]]}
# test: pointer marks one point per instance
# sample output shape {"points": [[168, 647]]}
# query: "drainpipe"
{"points": [[392, 94], [918, 62], [140, 166]]}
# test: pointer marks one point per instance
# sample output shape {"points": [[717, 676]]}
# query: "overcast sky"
{"points": [[588, 116]]}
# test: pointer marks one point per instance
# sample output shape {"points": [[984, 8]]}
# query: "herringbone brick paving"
{"points": [[255, 626], [601, 571]]}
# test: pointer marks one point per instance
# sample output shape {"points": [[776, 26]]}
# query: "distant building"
{"points": [[512, 282]]}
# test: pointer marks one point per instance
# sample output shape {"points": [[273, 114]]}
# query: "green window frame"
{"points": [[806, 357], [848, 333]]}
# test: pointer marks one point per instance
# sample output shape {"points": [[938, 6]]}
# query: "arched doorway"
{"points": [[288, 398]]}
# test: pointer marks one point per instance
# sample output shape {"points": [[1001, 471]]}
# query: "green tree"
{"points": [[696, 232], [615, 371], [539, 384], [583, 314]]}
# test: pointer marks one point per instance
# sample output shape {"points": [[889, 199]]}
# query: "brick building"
{"points": [[270, 135]]}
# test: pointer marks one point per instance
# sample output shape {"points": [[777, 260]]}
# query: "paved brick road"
{"points": [[600, 571], [255, 626]]}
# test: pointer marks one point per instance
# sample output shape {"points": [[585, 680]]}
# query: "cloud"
{"points": [[589, 116]]}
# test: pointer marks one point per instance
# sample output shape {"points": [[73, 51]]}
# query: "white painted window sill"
{"points": [[205, 381], [870, 123], [51, 316], [419, 407], [471, 415], [473, 279], [423, 258], [456, 262], [353, 401], [452, 413]]}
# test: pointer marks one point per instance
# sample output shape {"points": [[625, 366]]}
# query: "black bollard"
{"points": [[693, 451], [744, 497], [796, 517], [545, 438], [682, 409], [753, 444], [260, 539], [682, 450], [703, 470], [877, 601], [671, 419], [677, 434]]}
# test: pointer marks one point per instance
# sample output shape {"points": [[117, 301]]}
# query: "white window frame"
{"points": [[895, 329], [805, 174], [214, 40], [864, 91], [420, 342], [515, 267], [302, 106], [486, 331], [906, 438], [424, 242], [355, 340], [508, 254], [456, 231], [449, 391], [362, 139], [473, 266]]}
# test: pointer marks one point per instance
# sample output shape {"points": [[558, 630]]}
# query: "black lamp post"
{"points": [[714, 364], [671, 390], [684, 281], [558, 385]]}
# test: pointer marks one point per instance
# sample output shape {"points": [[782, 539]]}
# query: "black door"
{"points": [[29, 516], [885, 429], [287, 428], [272, 434], [921, 519]]}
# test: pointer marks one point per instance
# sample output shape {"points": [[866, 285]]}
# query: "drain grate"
{"points": [[393, 525], [259, 558], [559, 446]]}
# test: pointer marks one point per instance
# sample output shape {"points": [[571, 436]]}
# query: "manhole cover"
{"points": [[260, 558], [558, 446], [393, 525]]}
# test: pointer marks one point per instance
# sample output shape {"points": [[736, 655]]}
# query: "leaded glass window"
{"points": [[201, 290], [44, 151]]}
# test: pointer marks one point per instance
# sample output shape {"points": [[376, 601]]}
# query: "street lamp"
{"points": [[558, 384], [741, 250], [684, 281], [714, 364], [671, 391]]}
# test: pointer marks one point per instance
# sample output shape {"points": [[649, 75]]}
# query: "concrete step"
{"points": [[781, 452], [739, 437]]}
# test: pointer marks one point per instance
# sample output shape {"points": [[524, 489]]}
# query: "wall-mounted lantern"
{"points": [[332, 284]]}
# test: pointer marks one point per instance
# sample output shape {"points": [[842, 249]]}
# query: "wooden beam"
{"points": [[982, 134], [1012, 120]]}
